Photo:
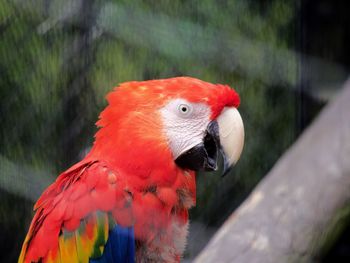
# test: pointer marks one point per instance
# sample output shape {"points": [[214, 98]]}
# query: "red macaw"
{"points": [[128, 199]]}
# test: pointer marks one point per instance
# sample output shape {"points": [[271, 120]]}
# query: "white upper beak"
{"points": [[231, 132]]}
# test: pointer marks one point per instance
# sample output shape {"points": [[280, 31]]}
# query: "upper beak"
{"points": [[231, 134], [224, 135]]}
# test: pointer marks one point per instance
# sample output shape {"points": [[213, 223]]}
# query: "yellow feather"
{"points": [[85, 241], [92, 236], [53, 257], [68, 248]]}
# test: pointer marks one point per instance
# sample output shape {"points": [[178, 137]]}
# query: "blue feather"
{"points": [[120, 246]]}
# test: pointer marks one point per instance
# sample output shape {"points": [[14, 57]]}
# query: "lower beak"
{"points": [[224, 135]]}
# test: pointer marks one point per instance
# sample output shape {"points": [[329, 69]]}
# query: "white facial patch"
{"points": [[185, 124]]}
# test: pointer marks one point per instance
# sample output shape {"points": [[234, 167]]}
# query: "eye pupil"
{"points": [[184, 109]]}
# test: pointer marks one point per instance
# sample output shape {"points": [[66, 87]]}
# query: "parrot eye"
{"points": [[185, 109]]}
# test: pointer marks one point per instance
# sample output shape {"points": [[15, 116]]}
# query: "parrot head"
{"points": [[170, 124]]}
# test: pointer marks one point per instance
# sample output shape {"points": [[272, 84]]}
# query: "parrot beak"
{"points": [[231, 134], [224, 135]]}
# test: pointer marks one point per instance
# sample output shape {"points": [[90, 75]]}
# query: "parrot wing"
{"points": [[75, 219]]}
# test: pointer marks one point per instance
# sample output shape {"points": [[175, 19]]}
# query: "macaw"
{"points": [[128, 199]]}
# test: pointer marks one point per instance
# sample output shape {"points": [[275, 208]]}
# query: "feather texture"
{"points": [[120, 247], [72, 221]]}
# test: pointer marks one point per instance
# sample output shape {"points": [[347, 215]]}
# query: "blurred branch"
{"points": [[301, 205], [60, 12], [22, 180]]}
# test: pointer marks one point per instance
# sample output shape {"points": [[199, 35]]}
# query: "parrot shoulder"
{"points": [[75, 218]]}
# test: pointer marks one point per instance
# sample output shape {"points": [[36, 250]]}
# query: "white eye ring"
{"points": [[184, 109]]}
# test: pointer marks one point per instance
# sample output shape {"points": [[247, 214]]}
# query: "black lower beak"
{"points": [[204, 156]]}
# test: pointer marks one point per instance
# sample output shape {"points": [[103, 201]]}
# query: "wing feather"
{"points": [[73, 220], [68, 247]]}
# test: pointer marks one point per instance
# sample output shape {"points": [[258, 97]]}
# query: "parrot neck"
{"points": [[145, 168], [175, 187], [138, 149]]}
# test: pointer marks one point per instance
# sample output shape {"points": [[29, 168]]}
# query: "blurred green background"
{"points": [[58, 59]]}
